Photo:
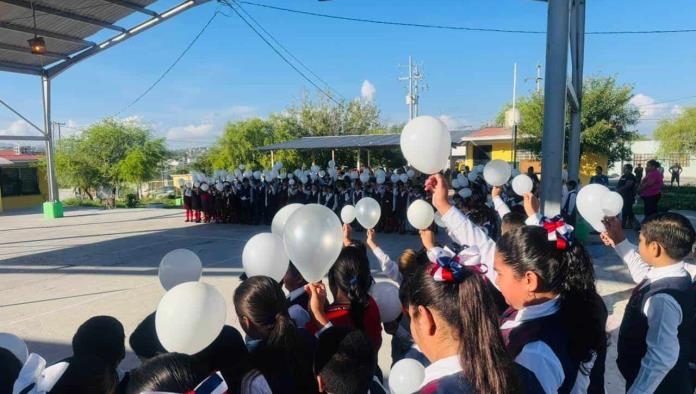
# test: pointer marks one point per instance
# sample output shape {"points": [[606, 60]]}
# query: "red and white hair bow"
{"points": [[451, 267], [558, 231], [213, 384]]}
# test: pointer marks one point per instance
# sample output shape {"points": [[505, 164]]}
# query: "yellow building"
{"points": [[496, 143], [23, 183]]}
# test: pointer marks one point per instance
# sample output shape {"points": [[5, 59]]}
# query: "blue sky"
{"points": [[231, 74]]}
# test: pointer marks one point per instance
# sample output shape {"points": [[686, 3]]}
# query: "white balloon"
{"points": [[257, 175], [205, 187], [348, 214], [354, 175], [291, 182], [264, 255], [364, 178], [455, 183], [290, 175], [314, 176], [612, 204], [472, 176], [497, 172], [406, 376], [386, 295], [368, 211], [314, 168], [241, 166], [196, 184], [279, 165], [394, 178], [332, 164], [313, 239], [589, 203], [522, 184], [438, 220], [465, 192], [190, 317], [426, 144], [281, 217], [410, 173], [381, 179], [322, 174], [219, 186], [15, 345], [304, 179], [420, 214], [403, 178], [179, 266]]}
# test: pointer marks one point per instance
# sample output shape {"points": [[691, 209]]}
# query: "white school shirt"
{"points": [[664, 317], [441, 368], [500, 206], [388, 265], [464, 232]]}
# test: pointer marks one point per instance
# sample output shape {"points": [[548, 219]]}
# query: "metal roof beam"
{"points": [[148, 24], [45, 33], [64, 14], [20, 68], [22, 138], [27, 50], [133, 6]]}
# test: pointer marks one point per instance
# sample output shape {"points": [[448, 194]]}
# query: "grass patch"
{"points": [[167, 203]]}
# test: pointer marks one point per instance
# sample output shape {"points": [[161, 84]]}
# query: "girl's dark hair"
{"points": [[87, 374], [351, 274], [227, 354], [170, 372], [466, 307], [103, 337], [568, 273], [261, 300], [9, 370]]}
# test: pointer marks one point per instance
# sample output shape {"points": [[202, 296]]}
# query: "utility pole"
{"points": [[538, 78], [57, 125], [412, 98], [514, 115]]}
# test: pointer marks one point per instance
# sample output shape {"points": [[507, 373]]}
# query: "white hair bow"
{"points": [[35, 378]]}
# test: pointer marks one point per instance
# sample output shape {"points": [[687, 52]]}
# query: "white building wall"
{"points": [[651, 147]]}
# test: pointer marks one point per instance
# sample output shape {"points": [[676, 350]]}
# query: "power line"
{"points": [[290, 53], [665, 101], [285, 59], [161, 77], [460, 28]]}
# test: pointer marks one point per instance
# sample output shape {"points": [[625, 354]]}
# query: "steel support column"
{"points": [[50, 152], [577, 40], [552, 144]]}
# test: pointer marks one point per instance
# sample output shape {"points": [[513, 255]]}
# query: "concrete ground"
{"points": [[55, 274]]}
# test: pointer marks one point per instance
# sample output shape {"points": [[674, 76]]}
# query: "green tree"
{"points": [[607, 123], [678, 135], [109, 153]]}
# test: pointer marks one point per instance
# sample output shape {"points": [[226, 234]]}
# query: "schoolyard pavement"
{"points": [[55, 274]]}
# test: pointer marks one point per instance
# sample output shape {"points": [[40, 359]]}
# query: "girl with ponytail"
{"points": [[349, 281], [554, 327], [280, 354], [455, 325]]}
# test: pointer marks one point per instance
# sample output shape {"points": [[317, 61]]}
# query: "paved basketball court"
{"points": [[55, 274]]}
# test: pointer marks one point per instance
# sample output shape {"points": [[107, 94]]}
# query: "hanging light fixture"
{"points": [[36, 44]]}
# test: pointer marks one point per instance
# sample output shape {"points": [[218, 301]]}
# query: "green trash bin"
{"points": [[179, 202], [53, 210]]}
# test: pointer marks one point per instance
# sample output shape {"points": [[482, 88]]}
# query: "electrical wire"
{"points": [[285, 59], [164, 74], [460, 28], [288, 52], [665, 101]]}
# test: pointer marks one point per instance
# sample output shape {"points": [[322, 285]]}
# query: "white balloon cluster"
{"points": [[595, 202]]}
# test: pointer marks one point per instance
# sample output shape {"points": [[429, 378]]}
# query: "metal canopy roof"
{"points": [[66, 26], [376, 141]]}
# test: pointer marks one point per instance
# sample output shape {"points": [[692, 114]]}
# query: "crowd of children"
{"points": [[504, 308]]}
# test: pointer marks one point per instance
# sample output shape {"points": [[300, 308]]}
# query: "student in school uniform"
{"points": [[175, 373], [656, 334], [457, 331], [196, 202], [280, 353], [349, 281], [554, 327], [568, 210], [188, 193], [329, 200], [345, 363], [298, 298]]}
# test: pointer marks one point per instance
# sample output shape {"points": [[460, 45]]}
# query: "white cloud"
{"points": [[452, 122], [200, 131], [368, 90], [19, 127], [651, 111]]}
